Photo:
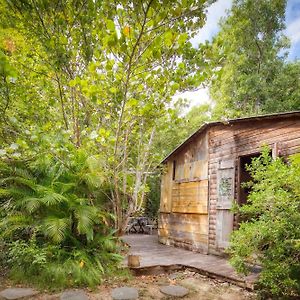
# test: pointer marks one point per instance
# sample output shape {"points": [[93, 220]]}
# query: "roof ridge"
{"points": [[206, 125]]}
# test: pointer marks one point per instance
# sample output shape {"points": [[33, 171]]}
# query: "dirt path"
{"points": [[200, 287]]}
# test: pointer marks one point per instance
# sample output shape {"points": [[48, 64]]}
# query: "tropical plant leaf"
{"points": [[14, 222], [56, 228], [19, 180], [52, 198], [86, 217], [14, 191], [32, 204], [63, 187]]}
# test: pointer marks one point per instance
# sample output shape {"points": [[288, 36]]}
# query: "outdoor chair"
{"points": [[151, 224]]}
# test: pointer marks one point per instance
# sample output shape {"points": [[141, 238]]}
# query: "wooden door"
{"points": [[225, 192]]}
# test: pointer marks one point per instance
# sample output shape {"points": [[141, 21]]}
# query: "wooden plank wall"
{"points": [[183, 217], [190, 197], [189, 231], [228, 142], [166, 188]]}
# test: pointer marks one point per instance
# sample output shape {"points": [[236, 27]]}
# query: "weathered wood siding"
{"points": [[183, 217], [190, 197], [228, 142], [166, 188], [188, 231], [197, 195]]}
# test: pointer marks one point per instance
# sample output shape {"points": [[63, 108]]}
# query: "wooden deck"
{"points": [[155, 255]]}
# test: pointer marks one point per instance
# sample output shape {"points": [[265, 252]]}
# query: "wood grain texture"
{"points": [[191, 199], [153, 254], [229, 142], [189, 229], [166, 188]]}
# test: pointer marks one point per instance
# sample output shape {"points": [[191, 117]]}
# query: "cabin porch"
{"points": [[155, 257]]}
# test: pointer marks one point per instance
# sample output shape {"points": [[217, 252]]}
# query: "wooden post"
{"points": [[133, 261], [275, 151]]}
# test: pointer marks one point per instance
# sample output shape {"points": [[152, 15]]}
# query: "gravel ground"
{"points": [[200, 287]]}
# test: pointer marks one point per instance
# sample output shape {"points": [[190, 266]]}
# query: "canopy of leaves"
{"points": [[99, 75], [247, 63]]}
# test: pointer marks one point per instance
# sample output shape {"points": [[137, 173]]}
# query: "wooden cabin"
{"points": [[203, 177]]}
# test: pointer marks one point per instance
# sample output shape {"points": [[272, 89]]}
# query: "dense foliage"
{"points": [[248, 71], [179, 126], [270, 237], [103, 74], [152, 201], [54, 225], [86, 90]]}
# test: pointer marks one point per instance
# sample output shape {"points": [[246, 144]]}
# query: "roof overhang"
{"points": [[231, 122]]}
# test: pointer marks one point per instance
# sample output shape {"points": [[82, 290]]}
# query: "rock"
{"points": [[162, 281], [125, 293], [17, 293], [173, 276], [74, 295], [196, 285], [174, 290]]}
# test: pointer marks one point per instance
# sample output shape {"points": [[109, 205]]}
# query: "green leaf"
{"points": [[52, 198], [56, 228], [110, 25]]}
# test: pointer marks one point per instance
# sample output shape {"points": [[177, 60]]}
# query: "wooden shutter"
{"points": [[225, 192]]}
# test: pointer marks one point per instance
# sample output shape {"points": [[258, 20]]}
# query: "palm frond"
{"points": [[105, 242], [86, 217], [94, 175], [41, 164], [31, 204], [12, 191], [41, 189], [99, 264], [56, 228], [18, 180], [51, 198], [15, 222], [4, 193], [94, 179], [63, 187], [23, 173]]}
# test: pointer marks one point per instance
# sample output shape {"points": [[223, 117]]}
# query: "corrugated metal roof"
{"points": [[228, 122]]}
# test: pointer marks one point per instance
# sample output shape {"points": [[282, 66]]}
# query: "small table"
{"points": [[138, 225], [142, 222]]}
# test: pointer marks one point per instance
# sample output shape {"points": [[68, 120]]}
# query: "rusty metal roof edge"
{"points": [[228, 122]]}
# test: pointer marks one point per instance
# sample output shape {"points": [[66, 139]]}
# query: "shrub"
{"points": [[271, 237], [55, 223]]}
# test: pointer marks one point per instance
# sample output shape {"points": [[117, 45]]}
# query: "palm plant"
{"points": [[58, 206]]}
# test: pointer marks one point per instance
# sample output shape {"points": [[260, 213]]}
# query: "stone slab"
{"points": [[17, 293], [125, 293], [74, 295], [174, 290]]}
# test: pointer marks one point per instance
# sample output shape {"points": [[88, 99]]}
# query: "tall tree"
{"points": [[106, 73], [176, 127], [247, 61]]}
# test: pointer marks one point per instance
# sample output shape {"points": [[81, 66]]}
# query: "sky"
{"points": [[211, 28]]}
